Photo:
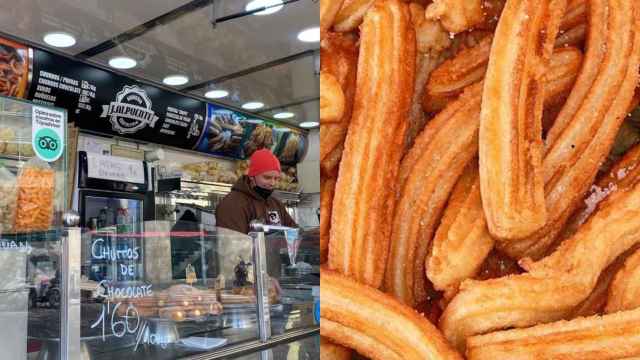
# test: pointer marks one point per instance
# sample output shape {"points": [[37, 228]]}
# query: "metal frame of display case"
{"points": [[70, 341]]}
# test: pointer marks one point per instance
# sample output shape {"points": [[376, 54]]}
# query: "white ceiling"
{"points": [[189, 45]]}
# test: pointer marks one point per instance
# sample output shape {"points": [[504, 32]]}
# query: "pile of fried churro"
{"points": [[480, 191]]}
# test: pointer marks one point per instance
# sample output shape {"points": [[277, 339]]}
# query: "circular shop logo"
{"points": [[131, 111], [47, 145]]}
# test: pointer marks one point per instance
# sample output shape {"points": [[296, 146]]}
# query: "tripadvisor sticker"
{"points": [[47, 133]]}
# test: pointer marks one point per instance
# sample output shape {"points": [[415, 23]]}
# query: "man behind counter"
{"points": [[250, 198]]}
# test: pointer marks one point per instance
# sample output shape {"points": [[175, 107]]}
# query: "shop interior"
{"points": [[122, 127]]}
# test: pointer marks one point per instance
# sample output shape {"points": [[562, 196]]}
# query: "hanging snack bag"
{"points": [[8, 195], [36, 187]]}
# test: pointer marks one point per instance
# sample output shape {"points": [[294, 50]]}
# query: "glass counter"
{"points": [[304, 349], [170, 291], [293, 265]]}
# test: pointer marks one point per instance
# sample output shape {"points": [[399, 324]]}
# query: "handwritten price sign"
{"points": [[120, 324]]}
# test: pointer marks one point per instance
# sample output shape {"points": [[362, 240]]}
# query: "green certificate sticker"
{"points": [[47, 133]]}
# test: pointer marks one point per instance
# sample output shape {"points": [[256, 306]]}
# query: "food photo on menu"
{"points": [[480, 179]]}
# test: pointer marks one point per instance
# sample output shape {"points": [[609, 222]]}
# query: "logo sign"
{"points": [[47, 133], [131, 111]]}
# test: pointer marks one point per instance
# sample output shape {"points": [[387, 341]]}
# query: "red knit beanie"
{"points": [[262, 161]]}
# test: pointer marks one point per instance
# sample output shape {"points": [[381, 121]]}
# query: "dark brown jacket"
{"points": [[243, 204]]}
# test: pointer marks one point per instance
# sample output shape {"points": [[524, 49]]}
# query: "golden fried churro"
{"points": [[553, 286], [624, 292], [613, 336], [363, 204], [432, 40], [351, 14], [332, 351], [596, 301], [451, 260], [510, 139], [462, 241], [456, 15], [427, 174], [362, 343], [331, 98], [376, 325], [425, 63], [339, 58], [448, 79], [327, 190], [469, 65], [585, 129], [328, 11], [329, 166]]}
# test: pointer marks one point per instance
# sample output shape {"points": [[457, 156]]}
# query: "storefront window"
{"points": [[168, 291]]}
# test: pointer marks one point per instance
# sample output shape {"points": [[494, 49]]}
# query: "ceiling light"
{"points": [[175, 80], [254, 121], [272, 6], [309, 124], [309, 35], [59, 39], [284, 115], [216, 94], [122, 62], [283, 129], [253, 105]]}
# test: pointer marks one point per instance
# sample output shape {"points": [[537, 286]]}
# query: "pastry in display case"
{"points": [[177, 303], [36, 187], [210, 171]]}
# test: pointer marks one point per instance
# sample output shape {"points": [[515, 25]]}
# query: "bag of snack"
{"points": [[36, 188], [8, 195]]}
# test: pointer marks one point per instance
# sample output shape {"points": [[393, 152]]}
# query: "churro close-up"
{"points": [[488, 185]]}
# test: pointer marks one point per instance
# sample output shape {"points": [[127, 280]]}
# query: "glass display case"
{"points": [[173, 294], [32, 196]]}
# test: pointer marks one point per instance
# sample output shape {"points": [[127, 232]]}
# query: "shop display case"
{"points": [[188, 291]]}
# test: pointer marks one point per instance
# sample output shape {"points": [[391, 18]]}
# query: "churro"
{"points": [[327, 190], [510, 138], [339, 58], [332, 351], [328, 11], [624, 291], [613, 336], [363, 205], [351, 14], [375, 324], [585, 129], [430, 170], [553, 286]]}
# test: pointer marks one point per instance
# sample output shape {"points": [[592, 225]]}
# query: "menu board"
{"points": [[104, 102]]}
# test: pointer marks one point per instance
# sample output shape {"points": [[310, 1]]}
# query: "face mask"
{"points": [[265, 193]]}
